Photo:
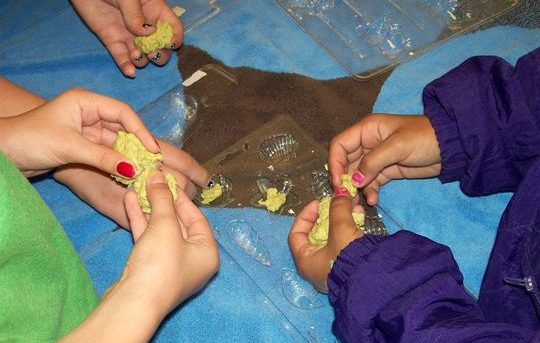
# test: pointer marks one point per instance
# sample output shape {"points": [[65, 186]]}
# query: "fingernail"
{"points": [[357, 178], [341, 192], [138, 58], [157, 57], [146, 25], [156, 177], [125, 169]]}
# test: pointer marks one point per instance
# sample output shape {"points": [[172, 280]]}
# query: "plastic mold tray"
{"points": [[197, 12], [368, 37]]}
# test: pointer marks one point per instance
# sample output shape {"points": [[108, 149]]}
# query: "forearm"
{"points": [[15, 99], [485, 115], [125, 314], [407, 289]]}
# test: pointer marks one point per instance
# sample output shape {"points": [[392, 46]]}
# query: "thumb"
{"points": [[134, 18], [342, 226], [387, 153], [161, 198]]}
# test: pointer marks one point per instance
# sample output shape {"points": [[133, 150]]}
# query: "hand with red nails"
{"points": [[383, 147], [118, 22], [91, 183], [315, 261], [174, 256]]}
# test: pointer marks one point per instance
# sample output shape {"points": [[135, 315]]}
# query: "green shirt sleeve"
{"points": [[45, 291]]}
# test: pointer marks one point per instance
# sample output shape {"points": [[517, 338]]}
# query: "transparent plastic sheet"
{"points": [[278, 154], [306, 311], [197, 12], [368, 37]]}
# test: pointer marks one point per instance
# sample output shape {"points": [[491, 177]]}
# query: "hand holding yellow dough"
{"points": [[145, 164], [160, 39], [319, 233]]}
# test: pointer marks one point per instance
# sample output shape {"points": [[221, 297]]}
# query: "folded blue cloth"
{"points": [[47, 49]]}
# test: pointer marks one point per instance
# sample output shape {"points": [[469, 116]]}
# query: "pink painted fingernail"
{"points": [[341, 192], [125, 169], [358, 178]]}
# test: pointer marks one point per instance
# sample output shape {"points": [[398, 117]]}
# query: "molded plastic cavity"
{"points": [[247, 238], [309, 7], [299, 292], [320, 184], [283, 185], [225, 198], [278, 148], [387, 35]]}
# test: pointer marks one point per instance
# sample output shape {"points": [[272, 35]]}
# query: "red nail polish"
{"points": [[341, 192], [358, 178], [125, 169]]}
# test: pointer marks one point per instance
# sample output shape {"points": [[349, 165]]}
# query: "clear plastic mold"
{"points": [[169, 116], [283, 185], [300, 292], [278, 148], [225, 199], [195, 13], [320, 184], [368, 37], [243, 234]]}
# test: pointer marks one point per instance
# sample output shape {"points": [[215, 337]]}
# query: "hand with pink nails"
{"points": [[383, 147], [314, 262], [118, 22]]}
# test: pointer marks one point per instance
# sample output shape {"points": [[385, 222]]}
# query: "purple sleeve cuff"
{"points": [[454, 159], [346, 263]]}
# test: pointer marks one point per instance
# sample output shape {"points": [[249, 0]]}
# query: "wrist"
{"points": [[124, 314]]}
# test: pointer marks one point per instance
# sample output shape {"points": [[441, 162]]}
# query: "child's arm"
{"points": [[407, 288], [486, 115]]}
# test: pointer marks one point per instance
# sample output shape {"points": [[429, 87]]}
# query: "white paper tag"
{"points": [[196, 76]]}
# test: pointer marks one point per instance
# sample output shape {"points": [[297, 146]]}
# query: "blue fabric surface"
{"points": [[47, 49], [442, 212]]}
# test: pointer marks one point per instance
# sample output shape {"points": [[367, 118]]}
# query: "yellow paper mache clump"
{"points": [[145, 164], [319, 233], [161, 38], [210, 194], [274, 199]]}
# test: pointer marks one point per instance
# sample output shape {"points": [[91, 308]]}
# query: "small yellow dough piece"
{"points": [[346, 181], [157, 40], [319, 233], [210, 194], [145, 164], [274, 199]]}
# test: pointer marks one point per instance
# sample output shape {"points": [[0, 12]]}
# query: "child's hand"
{"points": [[76, 127], [314, 262], [175, 253], [117, 22], [383, 147], [106, 195]]}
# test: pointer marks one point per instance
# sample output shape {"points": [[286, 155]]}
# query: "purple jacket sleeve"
{"points": [[406, 288], [486, 115]]}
